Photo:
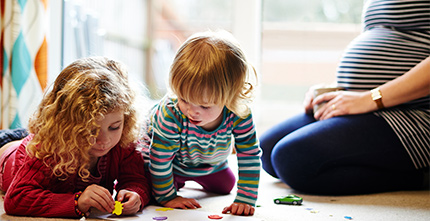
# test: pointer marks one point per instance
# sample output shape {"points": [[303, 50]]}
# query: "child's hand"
{"points": [[182, 203], [98, 197], [239, 209], [130, 200]]}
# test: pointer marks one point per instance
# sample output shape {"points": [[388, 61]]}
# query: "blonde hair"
{"points": [[210, 67], [64, 126]]}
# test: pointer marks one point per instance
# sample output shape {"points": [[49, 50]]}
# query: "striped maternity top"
{"points": [[180, 147], [396, 37]]}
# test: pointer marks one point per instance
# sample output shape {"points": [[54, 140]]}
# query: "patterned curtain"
{"points": [[23, 59]]}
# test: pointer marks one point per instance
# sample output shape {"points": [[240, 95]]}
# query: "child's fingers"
{"points": [[192, 204], [239, 209], [120, 195], [132, 206], [188, 205], [182, 203], [130, 201], [124, 196], [105, 199], [90, 200], [248, 210], [99, 197], [226, 209]]}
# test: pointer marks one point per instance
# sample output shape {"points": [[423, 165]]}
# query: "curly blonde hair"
{"points": [[210, 67], [64, 126]]}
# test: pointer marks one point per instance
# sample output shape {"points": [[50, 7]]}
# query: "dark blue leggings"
{"points": [[10, 135], [355, 154]]}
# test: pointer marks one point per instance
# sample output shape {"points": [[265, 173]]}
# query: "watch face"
{"points": [[376, 97], [376, 94]]}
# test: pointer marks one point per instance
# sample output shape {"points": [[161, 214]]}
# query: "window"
{"points": [[294, 44], [111, 28], [302, 42], [144, 34]]}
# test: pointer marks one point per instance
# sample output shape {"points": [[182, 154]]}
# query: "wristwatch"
{"points": [[377, 97]]}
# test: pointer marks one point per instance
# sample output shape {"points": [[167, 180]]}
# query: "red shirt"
{"points": [[34, 191]]}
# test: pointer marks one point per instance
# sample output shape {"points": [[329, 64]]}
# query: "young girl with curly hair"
{"points": [[192, 132], [81, 141]]}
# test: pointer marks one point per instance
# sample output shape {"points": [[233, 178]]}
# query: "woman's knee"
{"points": [[266, 160], [275, 135], [294, 162], [284, 162]]}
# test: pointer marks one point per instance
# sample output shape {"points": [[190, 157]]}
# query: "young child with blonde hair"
{"points": [[82, 140], [192, 132]]}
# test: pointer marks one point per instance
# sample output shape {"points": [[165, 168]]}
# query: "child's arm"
{"points": [[162, 153], [166, 129], [248, 155], [30, 193]]}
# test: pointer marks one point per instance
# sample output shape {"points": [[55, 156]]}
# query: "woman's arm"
{"points": [[410, 86]]}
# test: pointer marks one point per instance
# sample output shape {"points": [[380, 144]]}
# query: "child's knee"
{"points": [[223, 188], [220, 183]]}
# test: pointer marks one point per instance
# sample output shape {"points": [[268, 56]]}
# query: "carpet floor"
{"points": [[393, 206]]}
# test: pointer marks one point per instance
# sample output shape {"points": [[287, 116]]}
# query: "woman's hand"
{"points": [[239, 209], [182, 203], [130, 201], [412, 85], [307, 102], [96, 196], [343, 103]]}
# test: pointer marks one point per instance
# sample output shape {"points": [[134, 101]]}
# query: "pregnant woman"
{"points": [[375, 135]]}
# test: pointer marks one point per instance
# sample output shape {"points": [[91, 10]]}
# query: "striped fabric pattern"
{"points": [[396, 37], [24, 25], [414, 133], [401, 14], [179, 147]]}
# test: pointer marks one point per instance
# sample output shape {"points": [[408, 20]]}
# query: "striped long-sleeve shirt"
{"points": [[180, 147]]}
